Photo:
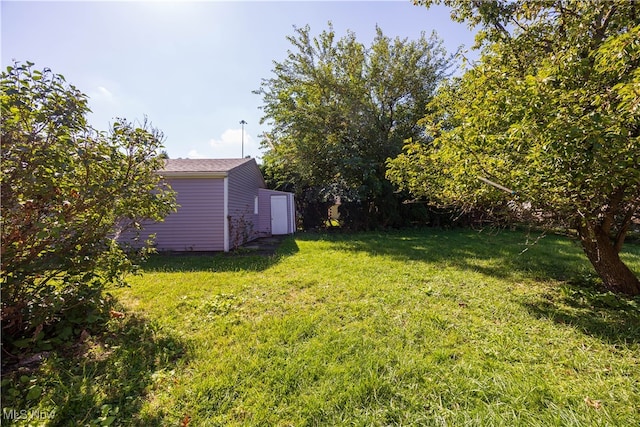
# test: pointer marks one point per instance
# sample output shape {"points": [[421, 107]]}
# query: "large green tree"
{"points": [[67, 191], [550, 111], [338, 110]]}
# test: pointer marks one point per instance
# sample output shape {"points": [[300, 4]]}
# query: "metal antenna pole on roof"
{"points": [[242, 122]]}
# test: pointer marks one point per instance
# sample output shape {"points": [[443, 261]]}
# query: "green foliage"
{"points": [[338, 110], [67, 192], [551, 111], [100, 381]]}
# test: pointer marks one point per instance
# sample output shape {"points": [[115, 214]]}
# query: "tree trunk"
{"points": [[605, 259]]}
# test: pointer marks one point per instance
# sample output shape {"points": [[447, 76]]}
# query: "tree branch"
{"points": [[600, 26], [614, 204], [624, 228]]}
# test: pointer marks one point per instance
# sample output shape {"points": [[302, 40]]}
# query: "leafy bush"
{"points": [[68, 190]]}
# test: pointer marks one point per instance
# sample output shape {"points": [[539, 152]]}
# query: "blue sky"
{"points": [[191, 67]]}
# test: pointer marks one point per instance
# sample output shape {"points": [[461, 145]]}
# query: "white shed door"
{"points": [[279, 215]]}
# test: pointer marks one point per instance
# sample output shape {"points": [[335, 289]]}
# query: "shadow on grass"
{"points": [[508, 255], [103, 380], [612, 318], [242, 259], [497, 254]]}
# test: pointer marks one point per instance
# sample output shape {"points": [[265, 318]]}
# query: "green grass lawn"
{"points": [[432, 327]]}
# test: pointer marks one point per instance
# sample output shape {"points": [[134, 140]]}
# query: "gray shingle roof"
{"points": [[203, 165]]}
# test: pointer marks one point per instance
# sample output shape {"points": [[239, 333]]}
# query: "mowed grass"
{"points": [[429, 327]]}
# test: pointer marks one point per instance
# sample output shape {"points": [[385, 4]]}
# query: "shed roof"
{"points": [[203, 165]]}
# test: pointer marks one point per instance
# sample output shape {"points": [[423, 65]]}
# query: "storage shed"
{"points": [[223, 203]]}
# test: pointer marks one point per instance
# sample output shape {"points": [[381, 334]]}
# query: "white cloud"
{"points": [[105, 93], [108, 100], [229, 145], [102, 96], [193, 154]]}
